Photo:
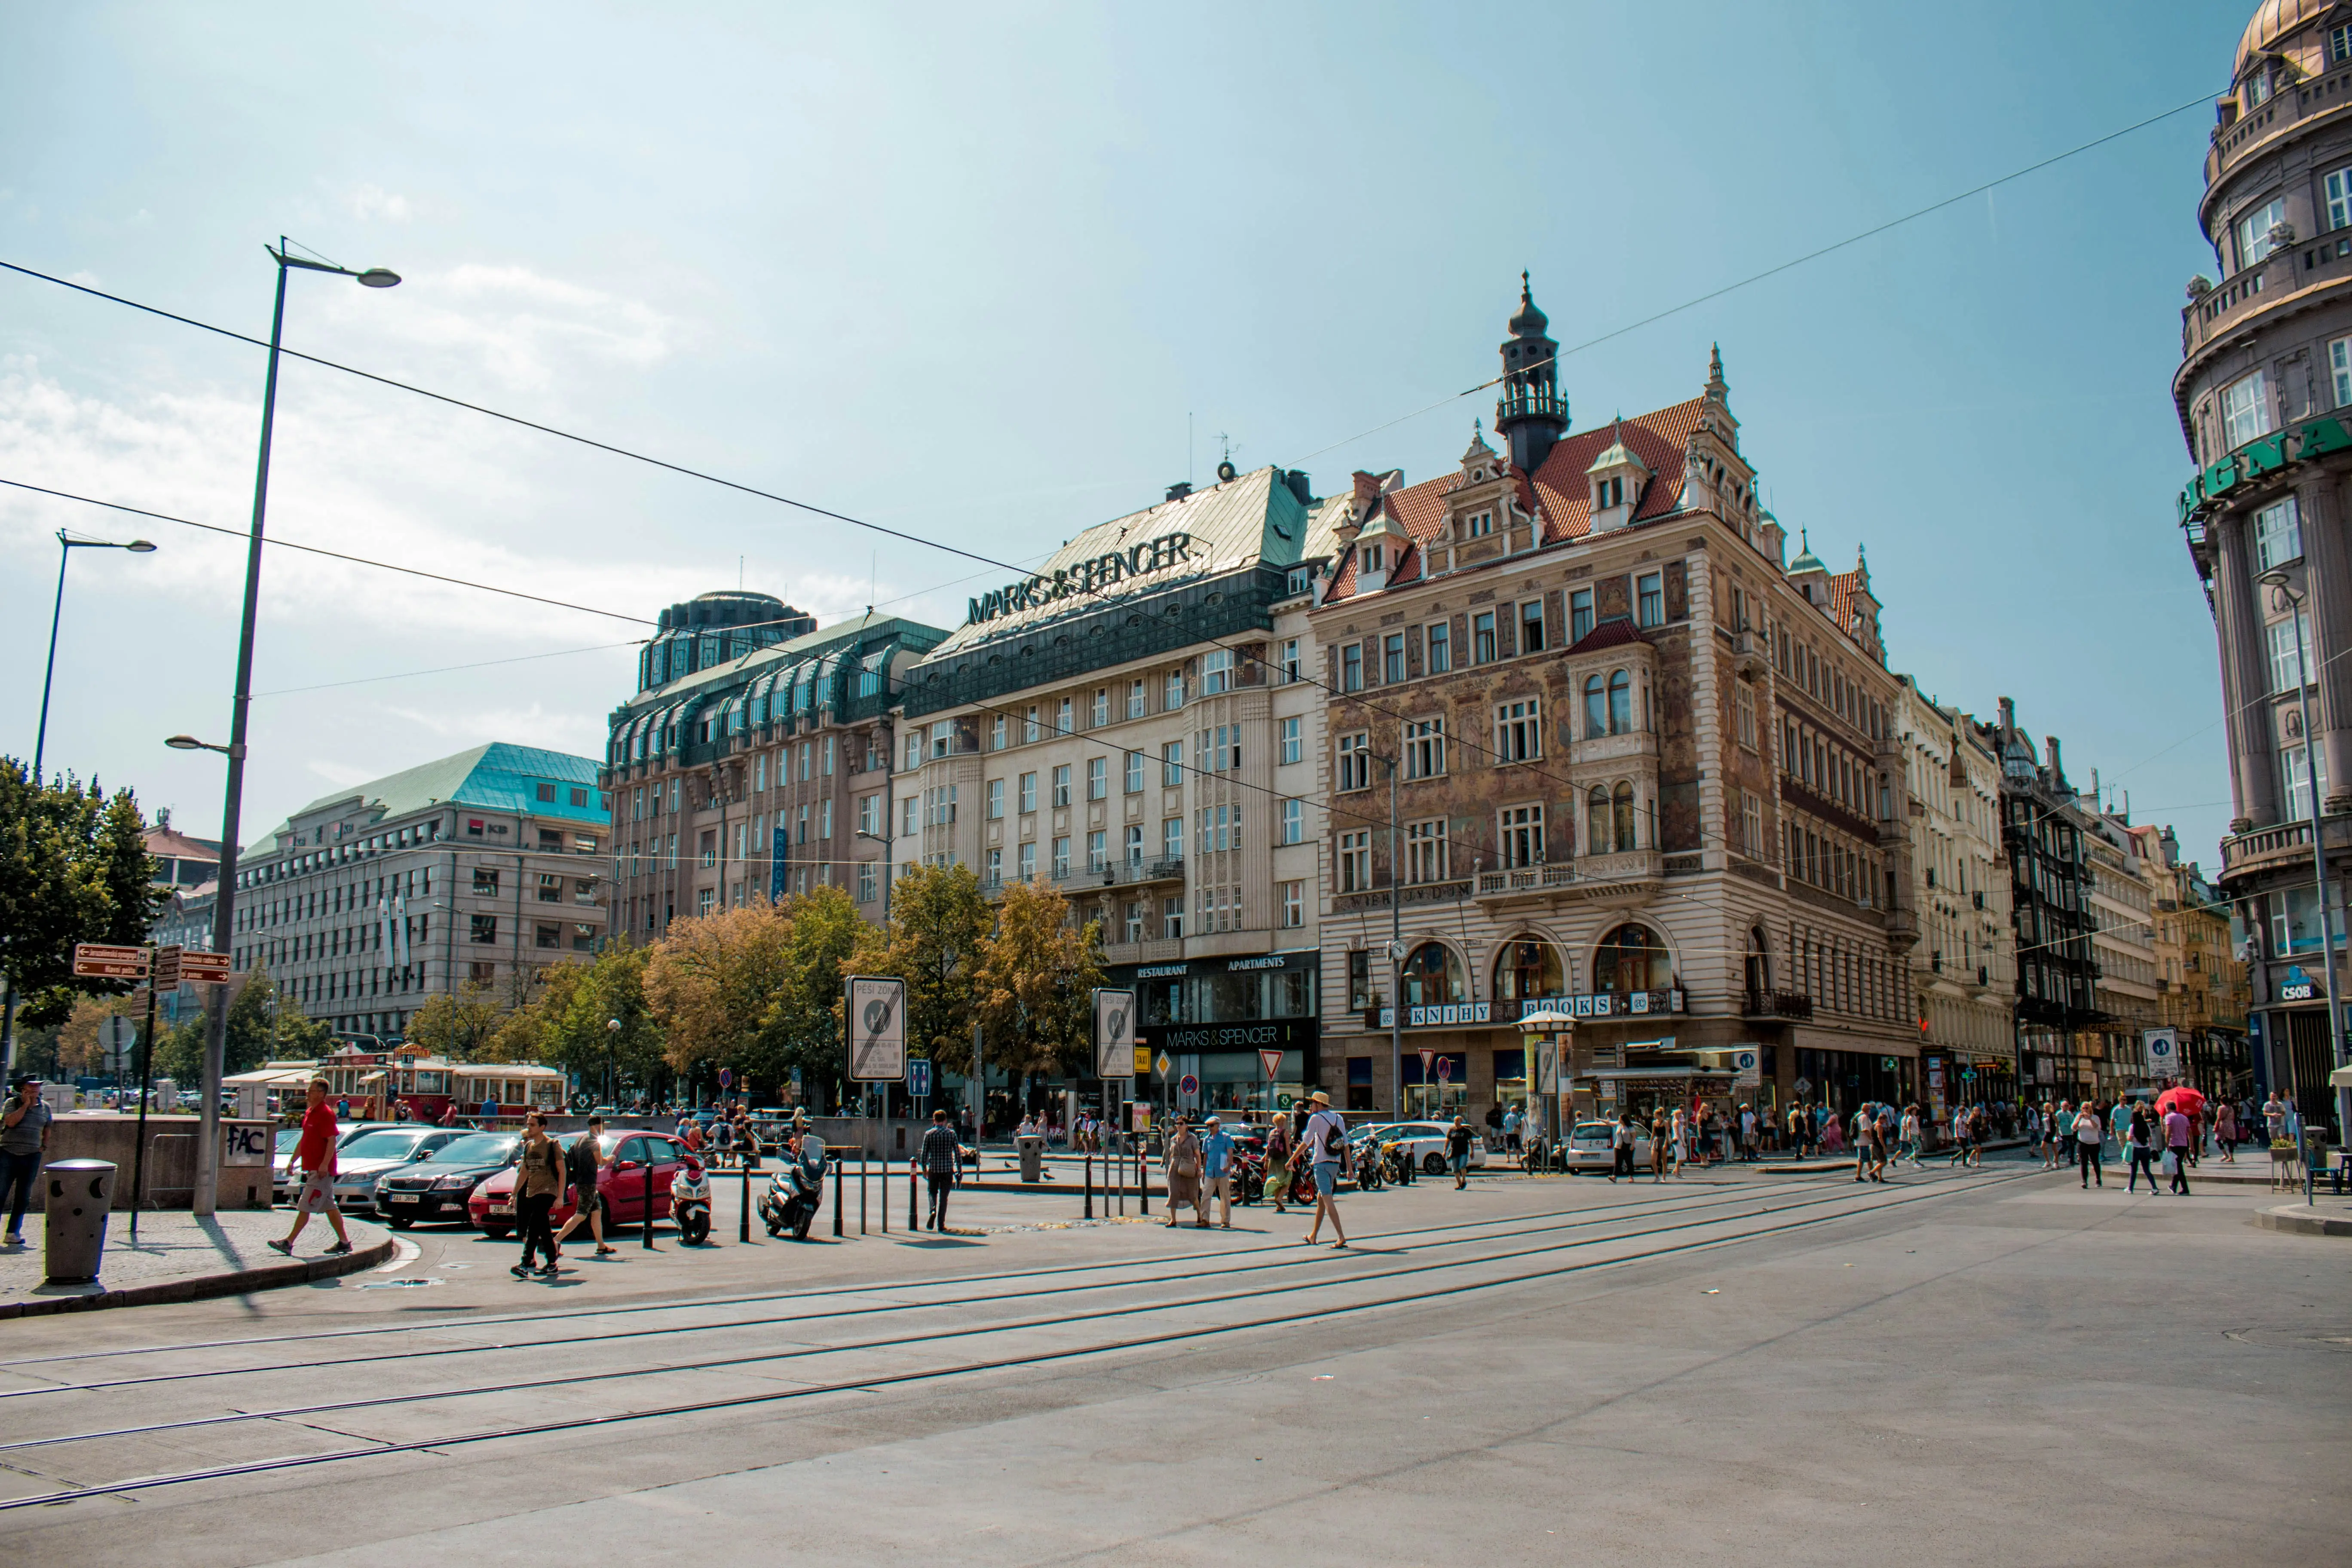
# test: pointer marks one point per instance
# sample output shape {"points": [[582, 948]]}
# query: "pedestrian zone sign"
{"points": [[1114, 1033], [876, 1011]]}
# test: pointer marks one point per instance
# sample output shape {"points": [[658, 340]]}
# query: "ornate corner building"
{"points": [[1592, 745], [2265, 397]]}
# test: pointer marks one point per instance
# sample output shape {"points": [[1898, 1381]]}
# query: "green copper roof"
{"points": [[497, 776]]}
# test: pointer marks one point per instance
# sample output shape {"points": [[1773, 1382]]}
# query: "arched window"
{"points": [[1596, 707], [1528, 968], [1433, 977], [1620, 703], [1759, 963], [1620, 811], [1630, 959], [1596, 822]]}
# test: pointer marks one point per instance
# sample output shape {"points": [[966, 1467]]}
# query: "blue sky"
{"points": [[975, 272]]}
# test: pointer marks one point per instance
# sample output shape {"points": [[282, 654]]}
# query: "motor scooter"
{"points": [[795, 1192], [690, 1203]]}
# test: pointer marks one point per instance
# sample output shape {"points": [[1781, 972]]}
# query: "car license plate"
{"points": [[502, 1208], [403, 1197]]}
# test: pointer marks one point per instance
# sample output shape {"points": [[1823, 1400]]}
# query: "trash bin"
{"points": [[80, 1195], [1033, 1158]]}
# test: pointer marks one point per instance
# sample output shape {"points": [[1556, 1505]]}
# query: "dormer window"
{"points": [[1609, 492], [1376, 558], [2339, 44], [1481, 524], [2258, 87]]}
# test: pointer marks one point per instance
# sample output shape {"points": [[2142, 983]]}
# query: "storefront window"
{"points": [[1527, 969], [1163, 1001], [1433, 977], [1630, 959]]}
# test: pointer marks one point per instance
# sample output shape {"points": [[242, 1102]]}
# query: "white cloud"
{"points": [[368, 202], [580, 733], [342, 776]]}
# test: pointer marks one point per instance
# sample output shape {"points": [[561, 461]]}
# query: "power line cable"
{"points": [[1754, 278]]}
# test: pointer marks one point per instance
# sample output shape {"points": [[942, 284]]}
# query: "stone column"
{"points": [[2244, 676], [2330, 575]]}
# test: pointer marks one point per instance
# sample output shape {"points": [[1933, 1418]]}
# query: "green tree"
{"points": [[712, 981], [1032, 984], [457, 1024], [803, 1023], [937, 920], [74, 868], [264, 1023], [582, 1040]]}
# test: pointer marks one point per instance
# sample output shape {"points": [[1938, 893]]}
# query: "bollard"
{"points": [[1143, 1183], [913, 1182], [1090, 1183], [861, 1189], [837, 1175], [743, 1221]]}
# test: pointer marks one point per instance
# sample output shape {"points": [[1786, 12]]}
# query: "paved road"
{"points": [[1980, 1367]]}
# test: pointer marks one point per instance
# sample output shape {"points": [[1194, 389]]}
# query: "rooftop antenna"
{"points": [[739, 573]]}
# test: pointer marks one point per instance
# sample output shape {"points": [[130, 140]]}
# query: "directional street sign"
{"points": [[877, 1011], [919, 1078], [1272, 1062], [167, 969], [102, 961], [204, 968]]}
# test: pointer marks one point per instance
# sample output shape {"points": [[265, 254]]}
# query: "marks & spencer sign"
{"points": [[1084, 577]]}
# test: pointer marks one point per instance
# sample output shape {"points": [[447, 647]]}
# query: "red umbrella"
{"points": [[2191, 1103]]}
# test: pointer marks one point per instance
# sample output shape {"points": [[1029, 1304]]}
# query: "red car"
{"points": [[638, 1159]]}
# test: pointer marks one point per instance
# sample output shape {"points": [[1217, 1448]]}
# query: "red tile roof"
{"points": [[1558, 488], [1841, 587], [1614, 633]]}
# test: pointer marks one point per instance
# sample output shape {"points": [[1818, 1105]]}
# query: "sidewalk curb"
{"points": [[200, 1287], [2295, 1219]]}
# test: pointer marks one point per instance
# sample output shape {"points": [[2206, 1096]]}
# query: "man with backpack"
{"points": [[1325, 1141]]}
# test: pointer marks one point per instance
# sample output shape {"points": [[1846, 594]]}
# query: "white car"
{"points": [[284, 1180], [1593, 1146], [365, 1160], [1426, 1139]]}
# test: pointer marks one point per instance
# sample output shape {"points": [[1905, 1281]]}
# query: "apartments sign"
{"points": [[1086, 577]]}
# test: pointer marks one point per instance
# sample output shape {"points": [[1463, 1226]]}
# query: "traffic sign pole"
{"points": [[146, 1080]]}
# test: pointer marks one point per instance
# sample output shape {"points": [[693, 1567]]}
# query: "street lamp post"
{"points": [[1396, 954], [224, 905], [66, 546], [613, 1062], [2281, 583]]}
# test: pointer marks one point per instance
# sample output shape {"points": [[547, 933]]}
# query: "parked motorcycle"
{"points": [[1370, 1178], [690, 1203], [1249, 1177], [795, 1192]]}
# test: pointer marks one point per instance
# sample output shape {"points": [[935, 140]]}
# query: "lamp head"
{"points": [[184, 744], [139, 547], [378, 278]]}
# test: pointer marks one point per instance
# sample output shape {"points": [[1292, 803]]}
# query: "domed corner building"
{"points": [[2265, 393]]}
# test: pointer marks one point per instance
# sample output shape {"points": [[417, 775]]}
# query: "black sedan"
{"points": [[437, 1189]]}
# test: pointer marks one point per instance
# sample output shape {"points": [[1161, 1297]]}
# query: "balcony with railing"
{"points": [[1594, 876], [1788, 1006]]}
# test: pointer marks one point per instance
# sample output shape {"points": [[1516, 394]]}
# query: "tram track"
{"points": [[1840, 1205], [1252, 1259]]}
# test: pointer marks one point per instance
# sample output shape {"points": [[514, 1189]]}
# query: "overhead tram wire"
{"points": [[2200, 101], [812, 508], [815, 510], [331, 554]]}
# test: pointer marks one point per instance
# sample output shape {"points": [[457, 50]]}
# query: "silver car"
{"points": [[1426, 1141], [367, 1158], [1593, 1146]]}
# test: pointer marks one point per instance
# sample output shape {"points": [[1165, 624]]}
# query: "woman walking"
{"points": [[1277, 1162], [1677, 1132], [2225, 1132], [539, 1182], [1183, 1162]]}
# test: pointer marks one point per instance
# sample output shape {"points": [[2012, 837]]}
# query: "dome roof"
{"points": [[2273, 20], [1807, 561], [1529, 322]]}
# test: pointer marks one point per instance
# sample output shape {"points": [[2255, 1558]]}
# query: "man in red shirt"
{"points": [[315, 1154]]}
